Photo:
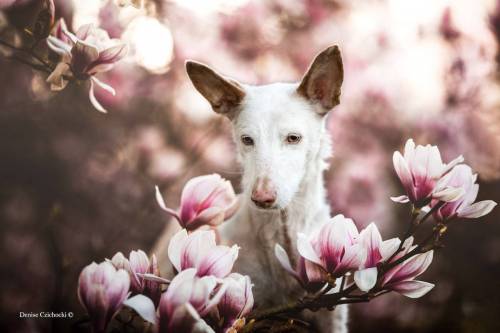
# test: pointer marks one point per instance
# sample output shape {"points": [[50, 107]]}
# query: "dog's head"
{"points": [[278, 128]]}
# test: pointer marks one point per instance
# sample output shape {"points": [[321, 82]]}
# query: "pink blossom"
{"points": [[377, 251], [102, 290], [419, 170], [205, 200], [138, 265], [84, 55], [199, 250], [237, 300], [461, 177], [332, 250], [401, 278], [187, 299]]}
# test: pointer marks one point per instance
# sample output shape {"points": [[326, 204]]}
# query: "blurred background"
{"points": [[77, 185]]}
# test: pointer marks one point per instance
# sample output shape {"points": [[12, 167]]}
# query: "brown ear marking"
{"points": [[323, 80], [224, 95]]}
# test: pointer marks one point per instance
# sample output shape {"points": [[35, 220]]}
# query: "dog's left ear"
{"points": [[323, 80]]}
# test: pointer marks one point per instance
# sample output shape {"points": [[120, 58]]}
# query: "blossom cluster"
{"points": [[337, 249], [204, 296], [81, 55]]}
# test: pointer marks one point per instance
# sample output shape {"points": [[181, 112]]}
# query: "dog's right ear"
{"points": [[224, 95]]}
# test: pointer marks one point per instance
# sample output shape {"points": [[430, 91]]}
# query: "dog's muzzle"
{"points": [[264, 193]]}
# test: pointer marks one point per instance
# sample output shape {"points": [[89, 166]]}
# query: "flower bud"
{"points": [[102, 290], [205, 200]]}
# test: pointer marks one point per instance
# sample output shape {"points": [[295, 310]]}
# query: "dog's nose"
{"points": [[264, 193]]}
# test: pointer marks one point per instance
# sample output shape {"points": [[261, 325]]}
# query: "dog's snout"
{"points": [[264, 193]]}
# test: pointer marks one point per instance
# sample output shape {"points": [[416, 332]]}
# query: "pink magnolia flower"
{"points": [[402, 277], [138, 265], [461, 177], [199, 250], [187, 299], [102, 290], [332, 250], [205, 200], [237, 300], [377, 251], [419, 170], [84, 55]]}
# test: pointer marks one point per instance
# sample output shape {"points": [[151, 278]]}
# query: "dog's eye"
{"points": [[293, 138], [246, 140]]}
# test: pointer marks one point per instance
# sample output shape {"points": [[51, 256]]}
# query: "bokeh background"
{"points": [[77, 185]]}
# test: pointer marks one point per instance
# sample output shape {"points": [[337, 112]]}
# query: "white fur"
{"points": [[268, 114]]}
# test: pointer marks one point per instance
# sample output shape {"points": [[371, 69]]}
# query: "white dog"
{"points": [[282, 145]]}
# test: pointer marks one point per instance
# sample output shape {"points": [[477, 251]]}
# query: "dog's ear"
{"points": [[323, 80], [223, 94]]}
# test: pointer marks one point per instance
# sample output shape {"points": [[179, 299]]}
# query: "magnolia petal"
{"points": [[113, 54], [107, 59], [161, 203], [371, 240], [283, 259], [153, 278], [449, 194], [179, 291], [388, 247], [248, 296], [414, 266], [407, 244], [314, 272], [175, 248], [403, 172], [197, 246], [84, 31], [58, 46], [401, 199], [306, 250], [212, 216], [104, 86], [82, 56], [219, 261], [232, 208], [452, 164], [353, 259], [409, 150], [366, 279], [185, 319], [143, 306], [57, 77], [413, 288], [71, 37], [477, 209], [119, 261], [94, 100], [214, 300]]}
